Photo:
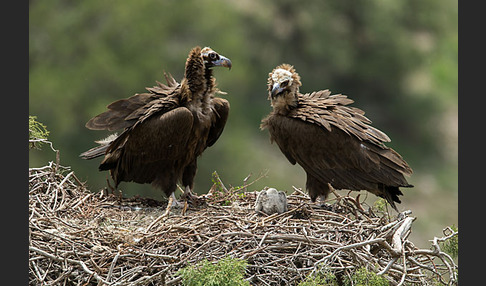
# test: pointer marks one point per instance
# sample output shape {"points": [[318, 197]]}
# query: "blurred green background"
{"points": [[396, 59]]}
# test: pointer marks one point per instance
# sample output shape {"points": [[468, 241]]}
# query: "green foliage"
{"points": [[362, 277], [451, 245], [322, 278], [219, 193], [37, 131], [241, 195], [380, 205], [223, 196], [217, 182], [228, 271]]}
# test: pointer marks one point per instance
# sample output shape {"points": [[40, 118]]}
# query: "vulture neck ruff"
{"points": [[200, 83]]}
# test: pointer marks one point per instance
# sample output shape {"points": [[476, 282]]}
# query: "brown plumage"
{"points": [[165, 130], [332, 141]]}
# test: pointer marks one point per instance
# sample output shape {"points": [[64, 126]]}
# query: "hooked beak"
{"points": [[276, 89], [222, 62]]}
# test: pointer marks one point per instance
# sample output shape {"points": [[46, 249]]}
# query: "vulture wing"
{"points": [[328, 110], [336, 157], [220, 115], [334, 143], [150, 147], [124, 113]]}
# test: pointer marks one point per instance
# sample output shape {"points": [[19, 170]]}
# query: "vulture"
{"points": [[164, 131], [332, 141]]}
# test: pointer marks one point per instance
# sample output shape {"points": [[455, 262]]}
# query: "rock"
{"points": [[271, 201]]}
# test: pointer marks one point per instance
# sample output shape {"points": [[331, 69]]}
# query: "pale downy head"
{"points": [[283, 87]]}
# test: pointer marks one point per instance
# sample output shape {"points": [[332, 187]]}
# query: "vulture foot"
{"points": [[326, 206], [192, 198]]}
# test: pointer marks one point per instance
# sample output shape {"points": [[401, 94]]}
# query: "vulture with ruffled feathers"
{"points": [[332, 141], [165, 130]]}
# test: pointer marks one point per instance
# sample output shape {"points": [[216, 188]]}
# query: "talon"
{"points": [[192, 198], [326, 206]]}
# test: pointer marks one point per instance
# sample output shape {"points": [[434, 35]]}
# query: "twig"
{"points": [[80, 263]]}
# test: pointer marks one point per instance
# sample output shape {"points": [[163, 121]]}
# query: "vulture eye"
{"points": [[213, 56], [284, 84]]}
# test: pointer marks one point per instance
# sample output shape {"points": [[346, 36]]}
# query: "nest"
{"points": [[77, 237]]}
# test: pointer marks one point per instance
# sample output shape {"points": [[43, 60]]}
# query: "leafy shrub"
{"points": [[363, 277], [451, 246], [324, 278], [380, 205], [228, 271], [37, 131]]}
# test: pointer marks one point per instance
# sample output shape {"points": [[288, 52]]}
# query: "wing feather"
{"points": [[337, 157], [328, 110], [124, 113], [138, 152], [220, 113]]}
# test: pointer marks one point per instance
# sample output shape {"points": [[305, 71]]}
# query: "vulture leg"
{"points": [[316, 188], [188, 176], [173, 202], [169, 205], [188, 183]]}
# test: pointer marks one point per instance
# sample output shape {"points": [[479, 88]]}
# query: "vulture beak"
{"points": [[222, 62], [276, 89]]}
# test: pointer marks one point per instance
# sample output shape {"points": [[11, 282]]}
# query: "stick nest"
{"points": [[77, 237]]}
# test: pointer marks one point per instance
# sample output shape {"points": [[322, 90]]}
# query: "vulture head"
{"points": [[198, 76], [283, 87], [213, 59]]}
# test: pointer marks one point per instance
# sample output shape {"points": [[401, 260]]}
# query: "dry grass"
{"points": [[77, 237]]}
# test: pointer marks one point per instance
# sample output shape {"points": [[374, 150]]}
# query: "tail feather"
{"points": [[94, 152], [391, 193], [99, 150]]}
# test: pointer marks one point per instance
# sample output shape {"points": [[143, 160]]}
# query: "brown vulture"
{"points": [[332, 141], [165, 129]]}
